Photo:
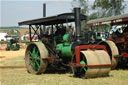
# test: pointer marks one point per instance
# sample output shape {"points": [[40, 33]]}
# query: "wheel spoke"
{"points": [[30, 54], [30, 58], [34, 50], [83, 68], [34, 66], [37, 52], [30, 62], [37, 64], [35, 58]]}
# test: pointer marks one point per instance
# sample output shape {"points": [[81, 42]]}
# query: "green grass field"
{"points": [[21, 77]]}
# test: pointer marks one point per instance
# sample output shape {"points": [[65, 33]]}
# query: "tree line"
{"points": [[100, 8]]}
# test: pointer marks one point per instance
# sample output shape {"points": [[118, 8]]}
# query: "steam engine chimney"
{"points": [[44, 9], [77, 24]]}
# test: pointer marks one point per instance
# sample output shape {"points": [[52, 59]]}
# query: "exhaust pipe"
{"points": [[77, 24]]}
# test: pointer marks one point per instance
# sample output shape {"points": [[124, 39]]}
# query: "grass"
{"points": [[21, 77], [18, 61]]}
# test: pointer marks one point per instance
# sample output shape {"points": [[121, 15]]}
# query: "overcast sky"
{"points": [[14, 11]]}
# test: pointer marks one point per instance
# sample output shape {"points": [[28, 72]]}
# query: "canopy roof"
{"points": [[119, 19], [58, 19]]}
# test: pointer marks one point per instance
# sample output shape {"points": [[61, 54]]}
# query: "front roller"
{"points": [[96, 61], [91, 63], [34, 55]]}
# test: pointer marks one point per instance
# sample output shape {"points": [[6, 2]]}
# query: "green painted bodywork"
{"points": [[65, 47], [59, 46], [65, 37]]}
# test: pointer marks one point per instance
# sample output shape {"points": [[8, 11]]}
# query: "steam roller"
{"points": [[112, 51], [86, 63], [65, 51]]}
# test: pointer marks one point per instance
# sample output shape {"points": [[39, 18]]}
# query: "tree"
{"points": [[83, 5], [14, 32], [84, 10], [109, 7]]}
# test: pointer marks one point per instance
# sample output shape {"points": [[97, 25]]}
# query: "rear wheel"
{"points": [[112, 51], [35, 53]]}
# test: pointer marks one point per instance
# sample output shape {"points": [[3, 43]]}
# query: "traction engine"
{"points": [[62, 51]]}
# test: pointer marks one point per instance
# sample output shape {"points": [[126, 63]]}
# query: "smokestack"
{"points": [[44, 9], [77, 24], [44, 15]]}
